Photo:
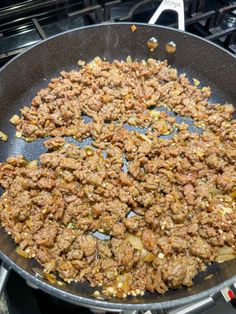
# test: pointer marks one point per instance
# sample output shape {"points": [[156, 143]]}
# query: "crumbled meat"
{"points": [[46, 236], [180, 271], [54, 143], [135, 211], [149, 240], [202, 249], [65, 239]]}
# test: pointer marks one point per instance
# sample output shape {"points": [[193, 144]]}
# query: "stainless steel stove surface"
{"points": [[24, 23]]}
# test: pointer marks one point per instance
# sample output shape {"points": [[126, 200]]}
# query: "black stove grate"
{"points": [[28, 22], [213, 20], [24, 23]]}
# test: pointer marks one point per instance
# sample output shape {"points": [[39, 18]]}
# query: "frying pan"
{"points": [[32, 70]]}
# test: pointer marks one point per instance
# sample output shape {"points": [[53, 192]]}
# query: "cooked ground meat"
{"points": [[134, 212]]}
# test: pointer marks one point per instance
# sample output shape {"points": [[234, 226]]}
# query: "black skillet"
{"points": [[32, 70]]}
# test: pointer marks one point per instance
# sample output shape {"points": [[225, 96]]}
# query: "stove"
{"points": [[26, 22], [20, 298]]}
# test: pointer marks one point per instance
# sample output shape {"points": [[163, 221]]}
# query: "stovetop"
{"points": [[21, 299], [26, 22]]}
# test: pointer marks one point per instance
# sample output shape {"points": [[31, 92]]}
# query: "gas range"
{"points": [[25, 23], [21, 298]]}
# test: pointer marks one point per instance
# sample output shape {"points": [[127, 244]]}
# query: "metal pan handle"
{"points": [[172, 5], [4, 272]]}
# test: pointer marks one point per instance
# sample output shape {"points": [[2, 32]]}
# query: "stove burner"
{"points": [[229, 20]]}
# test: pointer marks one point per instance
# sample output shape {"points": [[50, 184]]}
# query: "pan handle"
{"points": [[4, 273], [172, 5]]}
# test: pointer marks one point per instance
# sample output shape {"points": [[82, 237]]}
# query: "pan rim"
{"points": [[107, 304], [112, 24], [91, 302]]}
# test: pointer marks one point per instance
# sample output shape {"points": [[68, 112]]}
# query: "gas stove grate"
{"points": [[207, 19], [26, 22]]}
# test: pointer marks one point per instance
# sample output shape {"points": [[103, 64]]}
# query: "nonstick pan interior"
{"points": [[22, 77]]}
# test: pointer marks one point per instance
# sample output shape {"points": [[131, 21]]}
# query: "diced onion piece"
{"points": [[175, 93], [199, 124], [106, 99], [208, 277], [110, 274], [149, 257], [81, 62], [60, 283], [123, 281], [205, 89], [133, 28], [154, 113], [129, 59], [96, 294], [225, 253], [162, 127], [21, 252], [226, 210], [226, 250], [89, 150], [233, 194], [136, 242], [71, 225], [3, 136], [15, 119], [132, 120], [33, 164], [97, 60], [50, 266], [161, 255], [50, 277], [196, 82], [30, 223], [216, 191], [28, 139], [18, 134], [224, 258], [95, 63], [145, 138], [199, 152]]}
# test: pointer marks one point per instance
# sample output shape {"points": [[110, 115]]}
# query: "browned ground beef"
{"points": [[182, 190]]}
